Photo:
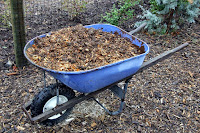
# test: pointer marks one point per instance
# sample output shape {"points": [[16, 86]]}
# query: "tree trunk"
{"points": [[18, 30]]}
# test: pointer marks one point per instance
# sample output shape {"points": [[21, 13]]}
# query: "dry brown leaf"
{"points": [[30, 90], [153, 75], [198, 112], [190, 1], [20, 128], [15, 68], [184, 100], [191, 74], [188, 115], [34, 46], [93, 124]]}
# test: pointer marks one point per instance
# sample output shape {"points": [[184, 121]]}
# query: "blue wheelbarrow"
{"points": [[55, 102]]}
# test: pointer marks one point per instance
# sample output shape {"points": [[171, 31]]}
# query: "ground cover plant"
{"points": [[122, 12]]}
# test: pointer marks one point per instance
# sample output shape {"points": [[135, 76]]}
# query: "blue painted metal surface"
{"points": [[95, 79]]}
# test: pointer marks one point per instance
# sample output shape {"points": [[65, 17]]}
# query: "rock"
{"points": [[3, 130], [132, 90], [135, 122], [7, 116], [157, 95], [139, 128], [27, 125], [15, 128], [175, 82], [162, 101], [8, 64], [186, 54], [1, 64], [67, 121], [84, 123]]}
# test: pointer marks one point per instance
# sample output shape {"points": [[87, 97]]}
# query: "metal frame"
{"points": [[119, 92], [115, 89]]}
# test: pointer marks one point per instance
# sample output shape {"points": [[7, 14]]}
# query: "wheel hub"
{"points": [[51, 103]]}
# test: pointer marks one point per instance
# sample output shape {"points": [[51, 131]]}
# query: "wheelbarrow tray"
{"points": [[94, 79]]}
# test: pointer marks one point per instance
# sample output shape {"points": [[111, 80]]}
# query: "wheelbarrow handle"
{"points": [[138, 28], [161, 57]]}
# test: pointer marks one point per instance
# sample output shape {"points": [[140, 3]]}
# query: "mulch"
{"points": [[78, 48], [162, 98]]}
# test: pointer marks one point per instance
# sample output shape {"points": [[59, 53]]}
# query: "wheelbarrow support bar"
{"points": [[120, 93]]}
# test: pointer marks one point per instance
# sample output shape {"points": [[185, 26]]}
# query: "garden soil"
{"points": [[162, 98]]}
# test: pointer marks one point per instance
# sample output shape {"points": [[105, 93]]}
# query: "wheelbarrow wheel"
{"points": [[47, 99]]}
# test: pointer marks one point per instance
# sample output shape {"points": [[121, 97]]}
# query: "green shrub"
{"points": [[166, 16], [123, 13]]}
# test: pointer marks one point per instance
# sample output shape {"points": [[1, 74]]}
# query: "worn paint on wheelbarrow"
{"points": [[95, 79]]}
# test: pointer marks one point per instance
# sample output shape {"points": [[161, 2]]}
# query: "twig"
{"points": [[10, 74], [177, 116]]}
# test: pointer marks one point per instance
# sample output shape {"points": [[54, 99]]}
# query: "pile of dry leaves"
{"points": [[77, 48]]}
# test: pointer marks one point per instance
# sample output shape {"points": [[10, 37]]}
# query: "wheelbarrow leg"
{"points": [[44, 74], [121, 93], [57, 89], [57, 92]]}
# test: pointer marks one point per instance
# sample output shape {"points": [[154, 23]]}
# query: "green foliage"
{"points": [[5, 14], [74, 7], [155, 6], [123, 13], [167, 15]]}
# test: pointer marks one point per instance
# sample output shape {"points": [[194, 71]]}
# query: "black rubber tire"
{"points": [[47, 93]]}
